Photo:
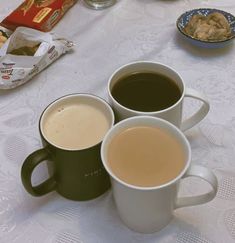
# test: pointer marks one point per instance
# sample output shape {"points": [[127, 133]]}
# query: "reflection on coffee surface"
{"points": [[145, 156], [146, 91], [76, 126]]}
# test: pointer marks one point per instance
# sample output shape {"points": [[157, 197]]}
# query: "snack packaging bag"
{"points": [[26, 53], [37, 14]]}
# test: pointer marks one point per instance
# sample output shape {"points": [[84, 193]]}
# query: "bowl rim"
{"points": [[204, 41]]}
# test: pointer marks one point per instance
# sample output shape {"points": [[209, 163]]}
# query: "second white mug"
{"points": [[173, 113], [148, 209]]}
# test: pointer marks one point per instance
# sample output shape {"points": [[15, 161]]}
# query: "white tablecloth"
{"points": [[129, 31]]}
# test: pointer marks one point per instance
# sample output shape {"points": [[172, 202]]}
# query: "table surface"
{"points": [[129, 31]]}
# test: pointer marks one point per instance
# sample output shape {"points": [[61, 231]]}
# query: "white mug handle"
{"points": [[200, 114], [206, 175]]}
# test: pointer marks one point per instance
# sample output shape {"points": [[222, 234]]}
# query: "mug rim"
{"points": [[96, 97], [157, 120], [145, 112]]}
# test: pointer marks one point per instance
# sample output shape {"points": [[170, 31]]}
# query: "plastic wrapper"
{"points": [[26, 53]]}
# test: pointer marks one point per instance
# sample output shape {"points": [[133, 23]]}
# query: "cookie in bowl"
{"points": [[209, 28]]}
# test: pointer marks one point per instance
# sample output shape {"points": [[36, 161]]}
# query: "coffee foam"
{"points": [[75, 123]]}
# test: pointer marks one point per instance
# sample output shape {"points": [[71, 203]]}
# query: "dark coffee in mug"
{"points": [[145, 156], [146, 91]]}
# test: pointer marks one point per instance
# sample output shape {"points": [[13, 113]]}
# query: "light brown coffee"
{"points": [[76, 125], [145, 156]]}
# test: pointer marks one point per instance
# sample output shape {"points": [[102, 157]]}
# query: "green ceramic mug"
{"points": [[72, 129]]}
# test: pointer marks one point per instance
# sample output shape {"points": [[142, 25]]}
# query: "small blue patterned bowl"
{"points": [[185, 17]]}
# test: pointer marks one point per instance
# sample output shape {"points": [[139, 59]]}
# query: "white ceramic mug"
{"points": [[149, 209], [173, 113]]}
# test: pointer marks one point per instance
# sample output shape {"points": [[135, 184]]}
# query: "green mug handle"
{"points": [[29, 165]]}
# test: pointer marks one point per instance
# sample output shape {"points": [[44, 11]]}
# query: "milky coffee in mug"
{"points": [[75, 125], [72, 129], [143, 156]]}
